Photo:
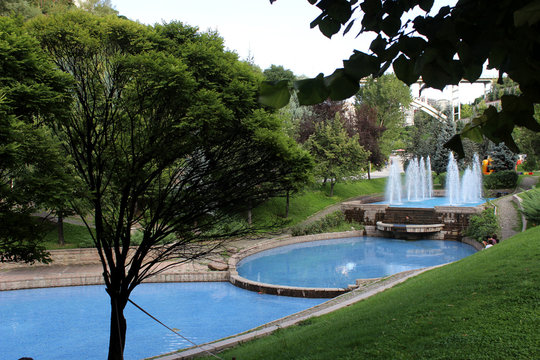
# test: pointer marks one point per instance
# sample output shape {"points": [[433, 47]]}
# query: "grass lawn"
{"points": [[486, 306], [75, 236], [314, 199]]}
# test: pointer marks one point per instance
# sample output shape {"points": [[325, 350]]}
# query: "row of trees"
{"points": [[373, 122]]}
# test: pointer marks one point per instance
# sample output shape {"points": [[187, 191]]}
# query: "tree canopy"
{"points": [[31, 93], [438, 49], [166, 133], [337, 155]]}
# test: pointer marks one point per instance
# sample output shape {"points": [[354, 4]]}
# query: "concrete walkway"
{"points": [[506, 208]]}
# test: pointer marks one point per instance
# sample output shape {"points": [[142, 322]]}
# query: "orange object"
{"points": [[486, 163]]}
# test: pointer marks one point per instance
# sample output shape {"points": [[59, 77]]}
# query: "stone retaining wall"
{"points": [[86, 256], [90, 279]]}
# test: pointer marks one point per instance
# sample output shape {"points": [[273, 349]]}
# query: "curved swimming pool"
{"points": [[73, 322], [338, 263]]}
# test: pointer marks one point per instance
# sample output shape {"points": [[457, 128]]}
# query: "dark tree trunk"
{"points": [[332, 183], [60, 226], [287, 204], [369, 171], [249, 214], [117, 337]]}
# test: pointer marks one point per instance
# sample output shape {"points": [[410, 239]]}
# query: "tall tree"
{"points": [[299, 175], [388, 97], [98, 7], [337, 155], [442, 48], [363, 123], [23, 8], [31, 92], [319, 114], [165, 132], [444, 132], [277, 73]]}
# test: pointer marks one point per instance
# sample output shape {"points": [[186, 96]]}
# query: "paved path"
{"points": [[506, 209]]}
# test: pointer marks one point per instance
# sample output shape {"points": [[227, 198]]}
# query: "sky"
{"points": [[269, 34]]}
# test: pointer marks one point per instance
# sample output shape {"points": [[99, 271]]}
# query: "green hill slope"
{"points": [[486, 306]]}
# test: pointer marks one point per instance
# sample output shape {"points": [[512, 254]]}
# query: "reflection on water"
{"points": [[339, 262], [345, 269]]}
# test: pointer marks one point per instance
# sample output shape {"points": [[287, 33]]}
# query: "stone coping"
{"points": [[410, 228], [93, 279], [283, 290]]}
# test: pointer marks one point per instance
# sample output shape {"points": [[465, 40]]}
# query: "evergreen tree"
{"points": [[445, 131], [502, 158]]}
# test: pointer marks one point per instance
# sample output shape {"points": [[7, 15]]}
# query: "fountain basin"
{"points": [[410, 228], [455, 219]]}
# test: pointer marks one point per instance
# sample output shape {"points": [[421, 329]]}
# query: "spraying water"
{"points": [[418, 181], [453, 185], [393, 185], [468, 189]]}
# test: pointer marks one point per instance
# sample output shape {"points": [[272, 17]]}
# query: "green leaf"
{"points": [[472, 72], [361, 65], [425, 5], [339, 10], [412, 46], [371, 7], [473, 133], [378, 45], [391, 25], [340, 85], [513, 103], [317, 21], [404, 70], [311, 91], [520, 110], [274, 93], [349, 26], [329, 26], [528, 15], [438, 77], [456, 145]]}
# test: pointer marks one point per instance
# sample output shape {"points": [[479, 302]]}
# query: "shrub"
{"points": [[483, 225], [530, 164], [531, 206], [501, 180], [335, 220], [440, 179]]}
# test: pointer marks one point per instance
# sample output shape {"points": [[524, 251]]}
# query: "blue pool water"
{"points": [[73, 322], [338, 263], [429, 203]]}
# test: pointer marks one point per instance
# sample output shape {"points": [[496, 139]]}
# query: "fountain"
{"points": [[466, 190], [393, 186], [413, 210], [419, 184]]}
